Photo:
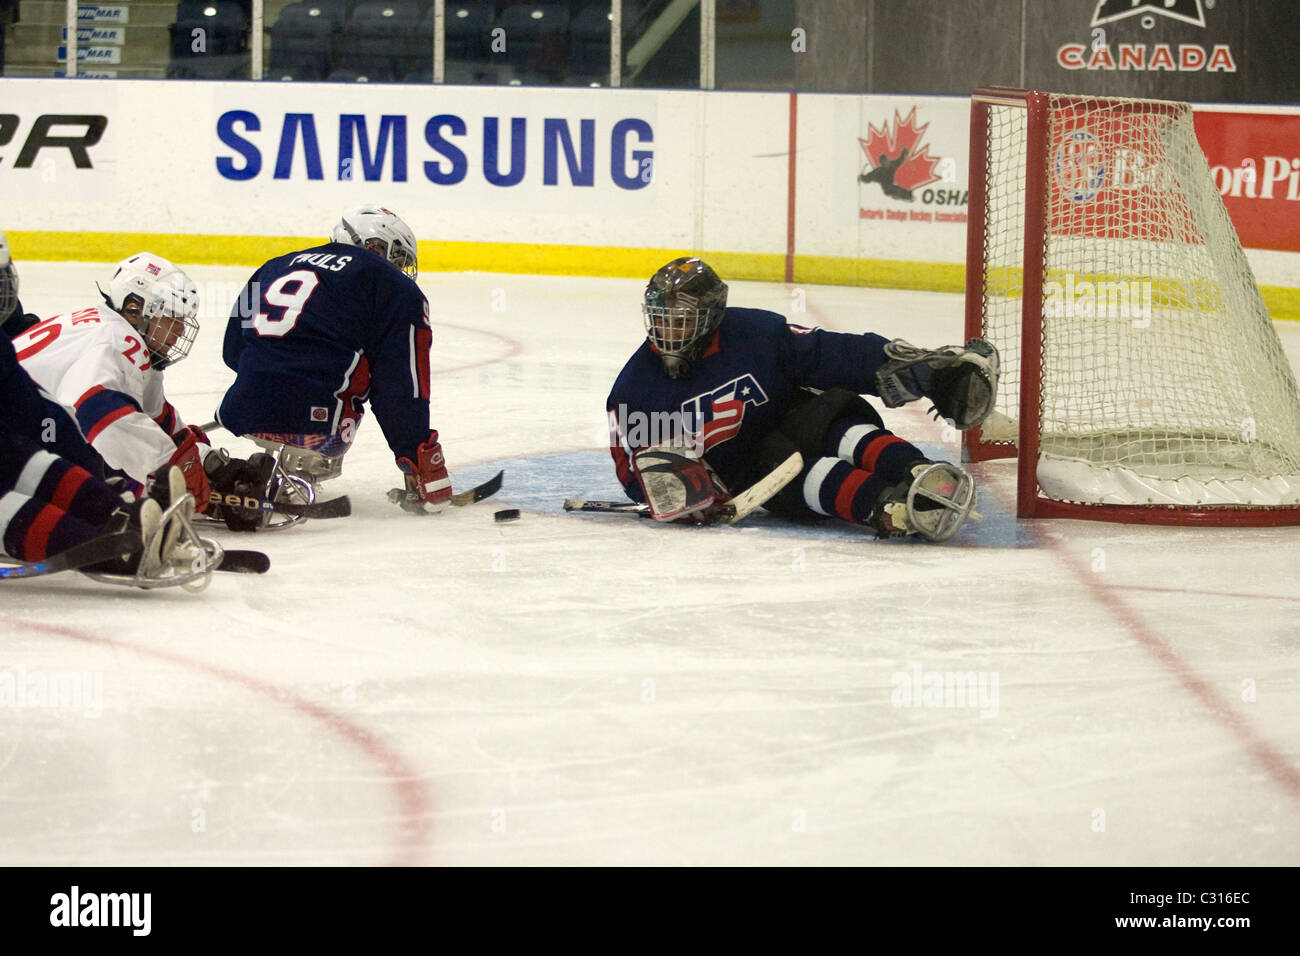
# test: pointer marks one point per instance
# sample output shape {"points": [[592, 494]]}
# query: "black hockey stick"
{"points": [[607, 507], [486, 490], [244, 562], [741, 506], [479, 492], [339, 507], [119, 545]]}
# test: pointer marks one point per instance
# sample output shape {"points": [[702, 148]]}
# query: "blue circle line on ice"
{"points": [[539, 484]]}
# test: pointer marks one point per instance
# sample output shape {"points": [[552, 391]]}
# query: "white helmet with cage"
{"points": [[8, 280], [382, 231], [160, 301]]}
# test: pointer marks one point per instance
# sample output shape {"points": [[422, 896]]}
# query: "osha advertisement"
{"points": [[881, 177]]}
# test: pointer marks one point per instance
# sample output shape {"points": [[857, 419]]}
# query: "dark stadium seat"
{"points": [[467, 27], [529, 24], [384, 34], [220, 29], [590, 32], [304, 72], [523, 78], [195, 9], [335, 9], [378, 75], [537, 39], [462, 72], [221, 66], [302, 37]]}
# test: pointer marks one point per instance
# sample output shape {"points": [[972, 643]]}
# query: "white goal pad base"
{"points": [[1072, 480]]}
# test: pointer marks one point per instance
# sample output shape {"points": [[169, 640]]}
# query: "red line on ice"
{"points": [[412, 798], [1265, 754], [514, 347], [1221, 594]]}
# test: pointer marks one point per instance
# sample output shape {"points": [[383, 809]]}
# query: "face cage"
{"points": [[8, 290], [666, 328], [167, 355], [396, 253]]}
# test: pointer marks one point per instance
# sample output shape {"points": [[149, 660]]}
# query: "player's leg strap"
{"points": [[804, 430], [807, 423]]}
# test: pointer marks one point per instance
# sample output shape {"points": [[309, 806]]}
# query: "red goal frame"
{"points": [[1030, 503]]}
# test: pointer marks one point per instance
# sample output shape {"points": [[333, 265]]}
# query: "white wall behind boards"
{"points": [[610, 170], [631, 169]]}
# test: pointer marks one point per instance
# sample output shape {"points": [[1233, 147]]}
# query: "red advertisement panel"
{"points": [[1109, 172], [1255, 158]]}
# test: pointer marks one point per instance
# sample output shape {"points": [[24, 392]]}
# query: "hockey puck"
{"points": [[506, 514]]}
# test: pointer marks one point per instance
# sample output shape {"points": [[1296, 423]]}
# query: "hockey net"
{"points": [[1142, 379]]}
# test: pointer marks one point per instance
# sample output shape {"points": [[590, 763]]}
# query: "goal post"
{"points": [[1142, 378]]}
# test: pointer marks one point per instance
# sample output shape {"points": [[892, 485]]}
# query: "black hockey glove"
{"points": [[961, 382], [239, 488]]}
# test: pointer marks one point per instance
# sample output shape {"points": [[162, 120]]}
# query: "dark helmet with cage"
{"points": [[8, 281], [162, 303], [683, 308]]}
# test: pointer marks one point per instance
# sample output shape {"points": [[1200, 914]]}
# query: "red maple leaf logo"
{"points": [[889, 142]]}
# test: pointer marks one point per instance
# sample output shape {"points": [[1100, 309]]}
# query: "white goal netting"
{"points": [[1163, 380]]}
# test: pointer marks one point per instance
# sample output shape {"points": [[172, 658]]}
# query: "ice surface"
{"points": [[595, 689]]}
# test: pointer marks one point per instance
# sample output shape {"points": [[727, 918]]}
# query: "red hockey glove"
{"points": [[189, 459], [198, 434], [428, 486]]}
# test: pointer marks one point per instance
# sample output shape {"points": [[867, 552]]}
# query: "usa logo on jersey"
{"points": [[721, 411]]}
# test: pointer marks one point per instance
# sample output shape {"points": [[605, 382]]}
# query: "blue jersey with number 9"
{"points": [[316, 334]]}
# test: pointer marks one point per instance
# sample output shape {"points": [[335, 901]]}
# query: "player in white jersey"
{"points": [[105, 363]]}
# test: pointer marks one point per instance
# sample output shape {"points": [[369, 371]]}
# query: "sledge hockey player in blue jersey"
{"points": [[13, 320], [717, 397], [53, 497], [317, 334]]}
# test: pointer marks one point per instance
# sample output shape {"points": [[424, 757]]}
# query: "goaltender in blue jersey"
{"points": [[317, 334], [720, 396]]}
